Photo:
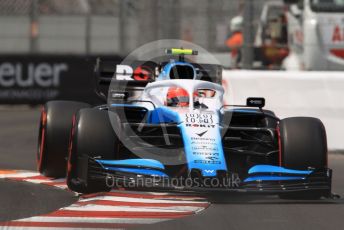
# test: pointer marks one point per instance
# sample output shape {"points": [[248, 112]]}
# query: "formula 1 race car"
{"points": [[166, 121]]}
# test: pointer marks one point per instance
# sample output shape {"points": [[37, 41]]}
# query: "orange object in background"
{"points": [[235, 42], [274, 54]]}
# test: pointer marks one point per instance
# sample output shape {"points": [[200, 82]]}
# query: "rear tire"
{"points": [[303, 146], [91, 136], [53, 138]]}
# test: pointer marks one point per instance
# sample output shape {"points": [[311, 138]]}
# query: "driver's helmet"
{"points": [[177, 97]]}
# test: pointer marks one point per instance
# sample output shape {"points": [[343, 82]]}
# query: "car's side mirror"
{"points": [[255, 102]]}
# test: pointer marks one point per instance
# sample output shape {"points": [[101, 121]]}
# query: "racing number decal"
{"points": [[199, 118], [204, 120]]}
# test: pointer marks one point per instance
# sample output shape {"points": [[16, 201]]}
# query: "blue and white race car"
{"points": [[165, 126]]}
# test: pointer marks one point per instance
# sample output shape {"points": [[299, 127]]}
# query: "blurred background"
{"points": [[47, 47], [289, 51], [114, 26], [274, 30]]}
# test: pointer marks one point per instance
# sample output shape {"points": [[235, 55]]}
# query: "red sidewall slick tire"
{"points": [[53, 138]]}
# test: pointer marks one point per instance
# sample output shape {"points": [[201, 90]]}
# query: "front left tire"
{"points": [[92, 135], [303, 146], [53, 137]]}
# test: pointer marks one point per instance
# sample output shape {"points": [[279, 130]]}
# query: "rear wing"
{"points": [[127, 81]]}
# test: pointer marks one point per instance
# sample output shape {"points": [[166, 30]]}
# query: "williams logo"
{"points": [[202, 133]]}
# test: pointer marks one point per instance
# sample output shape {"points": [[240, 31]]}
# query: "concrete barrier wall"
{"points": [[316, 94]]}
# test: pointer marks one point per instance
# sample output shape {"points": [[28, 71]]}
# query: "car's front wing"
{"points": [[261, 179]]}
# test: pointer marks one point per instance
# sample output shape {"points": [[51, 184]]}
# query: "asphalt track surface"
{"points": [[18, 135], [18, 138], [20, 200]]}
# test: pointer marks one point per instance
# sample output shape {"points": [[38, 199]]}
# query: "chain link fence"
{"points": [[113, 26]]}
